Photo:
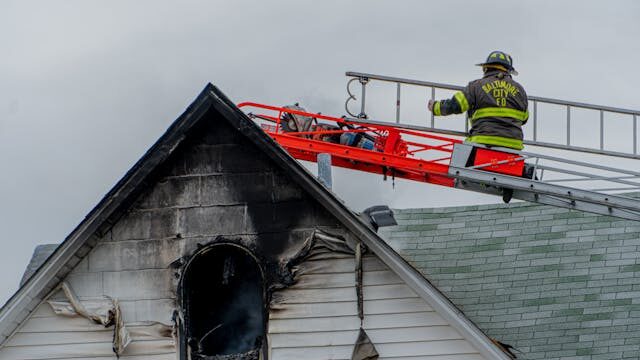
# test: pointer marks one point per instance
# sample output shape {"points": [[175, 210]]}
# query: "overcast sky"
{"points": [[87, 86]]}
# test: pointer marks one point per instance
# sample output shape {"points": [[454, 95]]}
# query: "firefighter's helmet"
{"points": [[502, 59]]}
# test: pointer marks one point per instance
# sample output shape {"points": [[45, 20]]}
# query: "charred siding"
{"points": [[215, 184]]}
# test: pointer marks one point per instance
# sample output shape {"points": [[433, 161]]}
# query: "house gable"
{"points": [[214, 177]]}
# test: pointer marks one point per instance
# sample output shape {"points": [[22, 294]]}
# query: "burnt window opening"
{"points": [[223, 305]]}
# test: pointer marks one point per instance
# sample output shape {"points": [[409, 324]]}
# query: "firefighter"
{"points": [[496, 104]]}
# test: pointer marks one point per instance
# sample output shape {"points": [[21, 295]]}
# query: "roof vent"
{"points": [[379, 216]]}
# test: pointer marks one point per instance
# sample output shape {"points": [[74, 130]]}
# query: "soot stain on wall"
{"points": [[218, 182]]}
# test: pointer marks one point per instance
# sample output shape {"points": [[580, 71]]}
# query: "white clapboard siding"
{"points": [[339, 265], [48, 336], [322, 281], [375, 292], [167, 356], [328, 255], [139, 333], [422, 349], [316, 318], [382, 321], [159, 310], [422, 333], [438, 357], [344, 353], [82, 349], [328, 309], [60, 323]]}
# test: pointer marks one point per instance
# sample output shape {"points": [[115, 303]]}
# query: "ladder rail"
{"points": [[614, 189], [543, 188], [588, 177], [584, 176], [593, 178], [573, 162], [431, 129], [550, 194], [536, 102], [457, 87], [552, 200]]}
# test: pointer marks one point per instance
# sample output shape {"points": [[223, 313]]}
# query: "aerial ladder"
{"points": [[433, 155]]}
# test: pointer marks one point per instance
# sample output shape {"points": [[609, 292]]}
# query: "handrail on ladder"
{"points": [[365, 78]]}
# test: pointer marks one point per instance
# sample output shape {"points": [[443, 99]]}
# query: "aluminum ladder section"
{"points": [[605, 114], [557, 182]]}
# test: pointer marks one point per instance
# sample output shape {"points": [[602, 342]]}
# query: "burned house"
{"points": [[218, 245]]}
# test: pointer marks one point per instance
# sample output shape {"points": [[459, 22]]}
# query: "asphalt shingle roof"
{"points": [[554, 283]]}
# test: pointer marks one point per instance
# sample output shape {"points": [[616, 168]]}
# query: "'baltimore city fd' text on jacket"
{"points": [[496, 106]]}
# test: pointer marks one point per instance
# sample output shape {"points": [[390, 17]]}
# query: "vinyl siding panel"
{"points": [[144, 299], [316, 318], [48, 336], [88, 350]]}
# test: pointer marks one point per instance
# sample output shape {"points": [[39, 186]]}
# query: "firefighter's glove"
{"points": [[430, 105]]}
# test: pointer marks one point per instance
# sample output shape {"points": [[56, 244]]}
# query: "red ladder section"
{"points": [[403, 153]]}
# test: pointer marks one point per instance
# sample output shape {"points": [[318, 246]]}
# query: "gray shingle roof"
{"points": [[554, 283]]}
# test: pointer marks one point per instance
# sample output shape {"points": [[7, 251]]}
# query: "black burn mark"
{"points": [[206, 269], [223, 301], [276, 209], [278, 220]]}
